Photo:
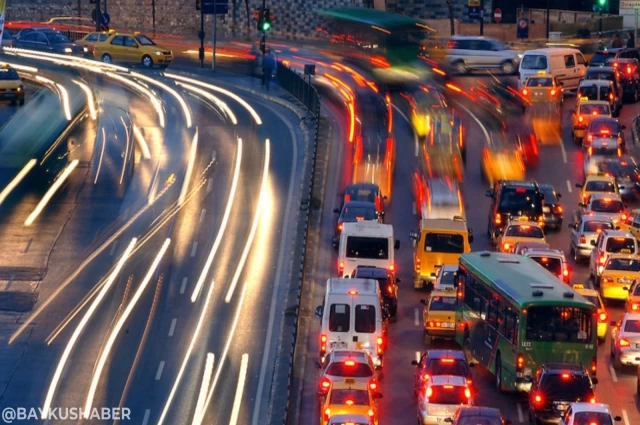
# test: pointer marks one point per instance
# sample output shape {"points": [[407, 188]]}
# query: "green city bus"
{"points": [[513, 316], [386, 44]]}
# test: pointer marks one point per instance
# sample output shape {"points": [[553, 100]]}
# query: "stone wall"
{"points": [[436, 9], [41, 10]]}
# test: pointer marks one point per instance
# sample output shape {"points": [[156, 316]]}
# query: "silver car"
{"points": [[585, 232], [466, 54], [609, 205], [625, 341], [440, 398]]}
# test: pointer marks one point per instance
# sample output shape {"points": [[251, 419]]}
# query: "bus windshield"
{"points": [[559, 323]]}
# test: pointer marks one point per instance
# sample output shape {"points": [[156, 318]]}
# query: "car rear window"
{"points": [[360, 194], [566, 387], [447, 394], [534, 62], [540, 82], [365, 319], [621, 245], [590, 418], [594, 110], [359, 213], [348, 396], [525, 231], [513, 200], [363, 247], [595, 226], [444, 242], [632, 326], [8, 74], [339, 317], [607, 205], [478, 420], [604, 127], [554, 265], [447, 366], [599, 186], [348, 370], [442, 303], [624, 264]]}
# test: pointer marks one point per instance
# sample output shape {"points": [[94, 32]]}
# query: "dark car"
{"points": [[355, 211], [475, 415], [510, 199], [610, 74], [440, 362], [47, 40], [365, 192], [555, 387], [388, 284], [630, 77], [604, 128], [526, 142], [627, 173], [603, 57], [551, 208]]}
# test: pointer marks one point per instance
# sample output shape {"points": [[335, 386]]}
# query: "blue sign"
{"points": [[105, 19], [523, 28], [215, 7], [474, 12]]}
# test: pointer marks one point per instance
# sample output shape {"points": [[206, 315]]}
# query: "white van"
{"points": [[366, 243], [567, 65], [351, 317]]}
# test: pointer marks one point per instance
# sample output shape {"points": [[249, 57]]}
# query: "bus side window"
{"points": [[470, 292], [510, 323]]}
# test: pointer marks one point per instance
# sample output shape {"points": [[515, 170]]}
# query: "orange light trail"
{"points": [[352, 124]]}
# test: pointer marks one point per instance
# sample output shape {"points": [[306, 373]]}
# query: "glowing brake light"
{"points": [[373, 385], [605, 131], [580, 118], [392, 268], [327, 414], [602, 317], [349, 363], [498, 219], [429, 392], [390, 289], [525, 92], [446, 360], [467, 393], [537, 399], [629, 70], [553, 92], [349, 402], [519, 362], [565, 376], [425, 377], [506, 246], [323, 344], [601, 259], [583, 239], [353, 292], [565, 272], [371, 413], [520, 190], [340, 227], [610, 98], [634, 307], [624, 342], [448, 387], [623, 217], [593, 400]]}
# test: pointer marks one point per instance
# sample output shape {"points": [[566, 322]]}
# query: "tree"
{"points": [[453, 28]]}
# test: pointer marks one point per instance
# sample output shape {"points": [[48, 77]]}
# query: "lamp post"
{"points": [[548, 20]]}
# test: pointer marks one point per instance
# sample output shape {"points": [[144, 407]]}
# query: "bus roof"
{"points": [[378, 18], [518, 278]]}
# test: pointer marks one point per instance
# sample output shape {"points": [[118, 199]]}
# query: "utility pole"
{"points": [[263, 42], [548, 20], [201, 37], [481, 17], [98, 16], [215, 35]]}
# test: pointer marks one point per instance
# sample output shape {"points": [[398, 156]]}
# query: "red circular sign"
{"points": [[497, 15]]}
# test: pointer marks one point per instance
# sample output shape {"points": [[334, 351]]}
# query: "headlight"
{"points": [[21, 88], [68, 50], [86, 50], [157, 53], [520, 55]]}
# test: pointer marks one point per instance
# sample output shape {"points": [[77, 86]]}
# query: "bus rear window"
{"points": [[559, 324], [339, 317], [363, 247], [447, 394], [621, 245], [445, 243], [443, 304], [365, 319]]}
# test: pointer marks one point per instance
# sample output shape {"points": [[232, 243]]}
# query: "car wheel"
{"points": [[147, 62], [508, 67], [106, 58], [617, 364], [460, 67]]}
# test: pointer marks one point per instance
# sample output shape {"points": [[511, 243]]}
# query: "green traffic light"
{"points": [[266, 26], [602, 2]]}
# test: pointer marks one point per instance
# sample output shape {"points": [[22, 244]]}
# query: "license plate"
{"points": [[448, 325], [623, 280], [338, 345], [546, 210], [349, 381]]}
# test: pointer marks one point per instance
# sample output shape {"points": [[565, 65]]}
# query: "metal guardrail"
{"points": [[298, 87]]}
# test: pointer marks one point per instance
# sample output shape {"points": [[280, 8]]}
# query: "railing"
{"points": [[301, 89]]}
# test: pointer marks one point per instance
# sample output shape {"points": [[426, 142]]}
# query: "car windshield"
{"points": [[600, 58], [623, 264], [350, 369], [144, 40], [8, 74], [621, 245], [596, 226], [363, 247], [358, 213], [439, 303], [594, 109], [514, 200], [554, 265], [534, 62], [632, 326], [559, 323], [539, 82], [450, 243], [447, 394], [594, 300], [349, 396], [620, 168], [591, 418], [447, 366], [566, 387], [600, 186], [607, 205], [56, 38], [524, 231], [601, 75], [591, 92]]}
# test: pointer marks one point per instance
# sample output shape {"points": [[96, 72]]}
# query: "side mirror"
{"points": [[561, 83], [501, 230], [582, 204], [396, 246], [617, 227], [472, 364], [621, 188], [318, 312], [617, 418], [470, 238], [423, 302], [489, 193], [398, 280], [470, 231], [413, 235], [625, 288], [384, 197], [624, 127], [579, 185], [336, 211], [414, 363], [318, 365], [594, 380], [593, 243]]}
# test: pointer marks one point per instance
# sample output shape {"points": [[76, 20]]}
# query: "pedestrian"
{"points": [[631, 42], [268, 66], [617, 42]]}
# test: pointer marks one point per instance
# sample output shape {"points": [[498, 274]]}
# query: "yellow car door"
{"points": [[115, 48], [131, 50]]}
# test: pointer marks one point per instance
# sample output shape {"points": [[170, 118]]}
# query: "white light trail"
{"points": [[254, 225], [237, 402], [49, 194], [206, 381], [214, 99], [144, 147], [104, 142], [185, 108], [223, 225], [21, 67], [45, 80], [120, 323], [83, 323], [90, 99], [66, 59], [17, 179], [126, 153], [65, 101], [155, 101], [193, 151], [226, 92]]}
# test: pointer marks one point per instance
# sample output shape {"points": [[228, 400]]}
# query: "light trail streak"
{"points": [[254, 225], [237, 402], [49, 194], [45, 80], [83, 323], [223, 225], [104, 143], [120, 323], [155, 101], [17, 179], [193, 151], [206, 381], [126, 153], [90, 99], [221, 104], [65, 101], [226, 92], [21, 67], [183, 104], [144, 147], [65, 58]]}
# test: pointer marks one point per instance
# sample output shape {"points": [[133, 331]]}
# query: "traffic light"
{"points": [[602, 3], [265, 21]]}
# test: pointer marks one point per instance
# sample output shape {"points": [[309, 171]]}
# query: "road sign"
{"points": [[629, 4], [473, 3], [497, 15], [474, 12], [523, 28], [105, 19], [215, 7]]}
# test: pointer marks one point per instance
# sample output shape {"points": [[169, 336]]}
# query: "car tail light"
{"points": [[498, 219], [380, 342], [629, 70], [373, 385], [623, 342], [623, 217], [446, 360], [541, 220], [607, 279], [506, 246], [469, 381], [425, 377], [610, 98], [602, 318], [580, 118], [566, 376], [538, 400], [467, 393], [392, 268], [553, 92], [583, 239], [601, 259], [558, 209], [429, 392], [634, 307], [594, 365], [519, 362], [349, 402], [525, 92], [371, 413], [340, 267], [592, 400], [565, 273], [349, 363], [417, 264], [327, 414], [590, 151], [325, 384], [323, 344], [590, 138], [390, 289], [340, 227]]}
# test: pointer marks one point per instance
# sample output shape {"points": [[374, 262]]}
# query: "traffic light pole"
{"points": [[98, 16], [481, 17], [215, 38], [548, 18], [201, 37], [264, 33]]}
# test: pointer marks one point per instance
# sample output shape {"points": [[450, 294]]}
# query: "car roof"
{"points": [[618, 233], [359, 204], [548, 252], [598, 196], [605, 119], [594, 102], [519, 183], [590, 407], [597, 69], [369, 186], [445, 354], [601, 218], [356, 355], [632, 316], [565, 367], [449, 380], [490, 412], [596, 177], [450, 267]]}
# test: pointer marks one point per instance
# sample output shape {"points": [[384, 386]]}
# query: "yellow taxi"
{"points": [[349, 399], [632, 223], [89, 41], [633, 302], [543, 89], [597, 184], [439, 315], [11, 87], [520, 230], [132, 48], [502, 164], [582, 115], [619, 273], [594, 297]]}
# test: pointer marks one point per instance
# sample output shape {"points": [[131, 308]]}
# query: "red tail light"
{"points": [[506, 246], [623, 217], [392, 268], [380, 342], [469, 382], [553, 92], [390, 289], [325, 384], [594, 365], [498, 219], [538, 400], [519, 362], [349, 363], [467, 393], [341, 267], [629, 70], [583, 239], [429, 392], [559, 209], [593, 400], [525, 92], [602, 318], [417, 264], [565, 272], [327, 414], [634, 307], [624, 342], [371, 413], [610, 98], [601, 259], [590, 138], [373, 385], [323, 344], [446, 360], [425, 377], [580, 118]]}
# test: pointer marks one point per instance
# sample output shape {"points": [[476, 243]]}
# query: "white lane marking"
{"points": [[564, 152], [172, 328], [160, 369], [520, 415], [416, 317], [569, 186], [418, 355], [625, 417], [209, 184], [204, 387], [203, 214], [415, 136], [614, 376], [237, 402], [114, 245], [147, 414], [183, 287], [482, 127], [414, 209], [194, 248]]}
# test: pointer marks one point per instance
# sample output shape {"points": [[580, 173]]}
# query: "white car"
{"points": [[584, 232], [350, 419], [588, 413], [606, 205], [625, 341], [440, 398], [445, 278], [600, 150], [609, 242]]}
